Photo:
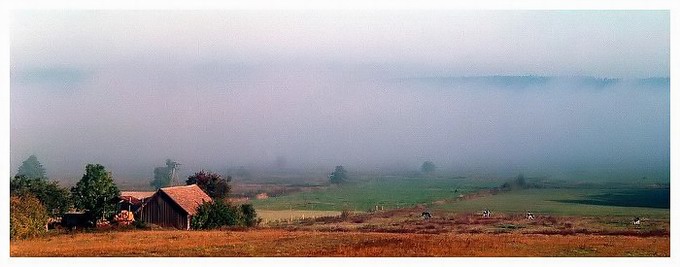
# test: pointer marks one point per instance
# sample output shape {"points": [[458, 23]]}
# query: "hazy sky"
{"points": [[362, 88]]}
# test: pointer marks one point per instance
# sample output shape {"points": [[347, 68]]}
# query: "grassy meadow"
{"points": [[390, 192]]}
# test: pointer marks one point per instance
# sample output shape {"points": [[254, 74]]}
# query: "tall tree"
{"points": [[520, 181], [162, 176], [96, 193], [211, 183], [339, 175], [280, 162], [32, 168], [428, 167]]}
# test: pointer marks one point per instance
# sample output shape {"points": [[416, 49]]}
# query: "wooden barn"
{"points": [[173, 206]]}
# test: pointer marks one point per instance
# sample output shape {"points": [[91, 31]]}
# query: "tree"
{"points": [[27, 217], [54, 197], [520, 181], [428, 167], [280, 162], [162, 176], [96, 193], [238, 172], [211, 183], [339, 175], [32, 168]]}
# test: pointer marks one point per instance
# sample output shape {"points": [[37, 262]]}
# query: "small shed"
{"points": [[133, 200], [173, 206]]}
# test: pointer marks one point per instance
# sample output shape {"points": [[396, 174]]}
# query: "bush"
{"points": [[345, 214], [218, 214], [28, 217], [249, 216], [212, 215], [139, 224]]}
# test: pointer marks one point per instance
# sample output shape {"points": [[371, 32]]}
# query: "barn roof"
{"points": [[136, 194], [187, 197]]}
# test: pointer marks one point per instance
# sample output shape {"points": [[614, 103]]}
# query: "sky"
{"points": [[369, 90]]}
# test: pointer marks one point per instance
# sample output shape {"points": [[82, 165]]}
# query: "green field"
{"points": [[388, 192], [392, 192], [574, 201]]}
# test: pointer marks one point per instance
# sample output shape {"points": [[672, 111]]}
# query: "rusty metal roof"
{"points": [[188, 197]]}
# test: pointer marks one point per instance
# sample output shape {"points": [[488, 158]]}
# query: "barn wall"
{"points": [[160, 210]]}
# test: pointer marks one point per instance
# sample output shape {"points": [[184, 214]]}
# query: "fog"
{"points": [[478, 93]]}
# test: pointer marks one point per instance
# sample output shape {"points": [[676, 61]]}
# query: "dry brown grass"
{"points": [[279, 242], [282, 215], [410, 221]]}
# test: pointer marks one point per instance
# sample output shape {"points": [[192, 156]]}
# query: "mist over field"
{"points": [[478, 93]]}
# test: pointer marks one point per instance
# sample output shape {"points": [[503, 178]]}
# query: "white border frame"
{"points": [[6, 7]]}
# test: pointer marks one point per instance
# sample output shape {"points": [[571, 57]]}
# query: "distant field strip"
{"points": [[577, 202]]}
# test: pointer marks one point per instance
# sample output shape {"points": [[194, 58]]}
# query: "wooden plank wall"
{"points": [[160, 210]]}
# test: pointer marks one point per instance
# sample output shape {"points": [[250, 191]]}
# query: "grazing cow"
{"points": [[426, 215], [530, 215], [636, 221], [74, 220], [486, 213]]}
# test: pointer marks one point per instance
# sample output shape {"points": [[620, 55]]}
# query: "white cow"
{"points": [[486, 213], [636, 221], [530, 215]]}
